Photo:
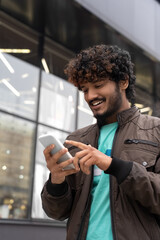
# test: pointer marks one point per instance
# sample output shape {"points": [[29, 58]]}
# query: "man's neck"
{"points": [[111, 119]]}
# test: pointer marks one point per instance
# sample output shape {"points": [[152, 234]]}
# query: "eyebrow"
{"points": [[81, 87]]}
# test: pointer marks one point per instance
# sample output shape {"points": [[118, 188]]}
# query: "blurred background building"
{"points": [[37, 38]]}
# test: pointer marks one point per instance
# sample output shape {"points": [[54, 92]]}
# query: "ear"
{"points": [[123, 84]]}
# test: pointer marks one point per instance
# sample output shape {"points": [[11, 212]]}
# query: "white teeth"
{"points": [[96, 103]]}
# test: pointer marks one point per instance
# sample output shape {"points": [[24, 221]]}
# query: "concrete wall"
{"points": [[138, 20]]}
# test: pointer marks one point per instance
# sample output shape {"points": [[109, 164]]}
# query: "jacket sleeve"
{"points": [[145, 187], [56, 200], [139, 184]]}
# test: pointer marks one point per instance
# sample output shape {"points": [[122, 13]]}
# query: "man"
{"points": [[114, 191]]}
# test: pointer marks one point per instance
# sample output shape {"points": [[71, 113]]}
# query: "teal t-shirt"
{"points": [[100, 226]]}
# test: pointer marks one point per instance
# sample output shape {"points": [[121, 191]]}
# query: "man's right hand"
{"points": [[58, 173]]}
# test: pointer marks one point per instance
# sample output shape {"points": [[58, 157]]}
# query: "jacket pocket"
{"points": [[142, 151], [140, 141]]}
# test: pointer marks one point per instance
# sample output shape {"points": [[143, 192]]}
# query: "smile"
{"points": [[96, 103]]}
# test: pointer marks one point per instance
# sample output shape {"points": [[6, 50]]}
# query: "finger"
{"points": [[82, 153], [60, 153], [64, 164], [60, 175], [68, 172], [60, 168], [76, 162], [89, 162], [83, 164], [78, 156], [77, 144], [86, 170], [52, 160], [47, 151]]}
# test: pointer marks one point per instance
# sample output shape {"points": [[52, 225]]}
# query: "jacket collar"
{"points": [[92, 134], [127, 115]]}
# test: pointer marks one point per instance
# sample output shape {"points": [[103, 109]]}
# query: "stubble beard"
{"points": [[114, 105]]}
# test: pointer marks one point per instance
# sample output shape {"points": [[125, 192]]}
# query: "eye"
{"points": [[99, 85], [84, 90]]}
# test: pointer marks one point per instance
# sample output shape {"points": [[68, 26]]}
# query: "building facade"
{"points": [[38, 37]]}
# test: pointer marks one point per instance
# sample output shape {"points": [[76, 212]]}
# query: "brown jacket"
{"points": [[134, 182]]}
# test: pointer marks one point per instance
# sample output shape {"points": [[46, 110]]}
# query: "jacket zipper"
{"points": [[111, 204], [136, 141], [89, 198], [85, 211], [111, 207]]}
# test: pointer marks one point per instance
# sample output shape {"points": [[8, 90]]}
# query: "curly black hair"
{"points": [[100, 62]]}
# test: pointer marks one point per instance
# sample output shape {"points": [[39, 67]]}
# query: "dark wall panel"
{"points": [[31, 232]]}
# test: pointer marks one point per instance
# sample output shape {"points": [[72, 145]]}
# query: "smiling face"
{"points": [[105, 98]]}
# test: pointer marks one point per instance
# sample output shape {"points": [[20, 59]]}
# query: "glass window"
{"points": [[41, 171], [85, 115], [144, 101], [56, 57], [18, 40], [157, 77], [144, 72], [16, 161], [57, 102], [18, 86]]}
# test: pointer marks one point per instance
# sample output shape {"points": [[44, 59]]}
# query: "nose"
{"points": [[91, 94]]}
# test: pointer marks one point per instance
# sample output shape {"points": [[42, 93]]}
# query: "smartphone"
{"points": [[49, 139]]}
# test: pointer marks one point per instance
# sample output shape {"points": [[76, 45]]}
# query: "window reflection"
{"points": [[144, 72], [41, 171], [157, 84], [57, 102], [16, 158], [58, 107], [85, 115], [18, 86]]}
